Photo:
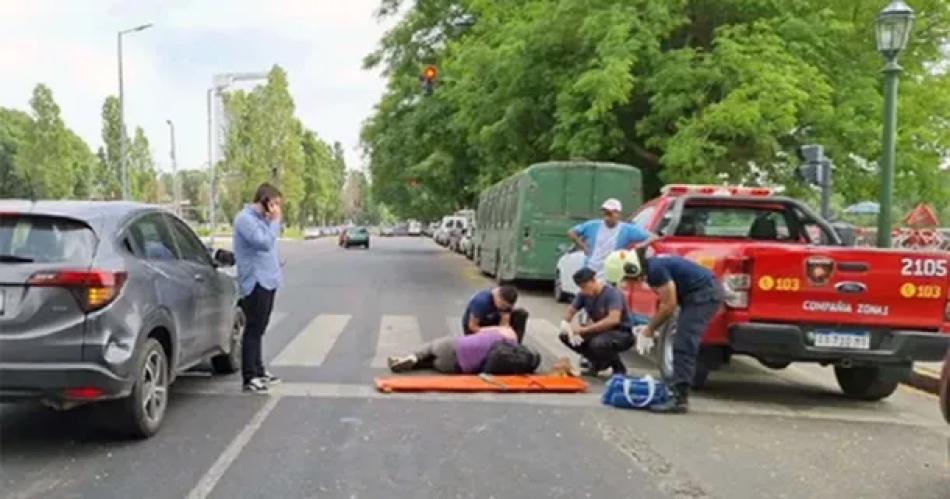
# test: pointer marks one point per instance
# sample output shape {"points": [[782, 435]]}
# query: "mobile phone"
{"points": [[265, 202]]}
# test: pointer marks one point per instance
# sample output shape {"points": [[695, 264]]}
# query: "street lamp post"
{"points": [[893, 28], [220, 83], [123, 164], [175, 194]]}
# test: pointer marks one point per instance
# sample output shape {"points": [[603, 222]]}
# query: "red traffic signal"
{"points": [[429, 73]]}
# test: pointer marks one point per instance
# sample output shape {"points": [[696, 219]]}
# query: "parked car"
{"points": [[414, 228], [465, 245], [386, 232], [356, 236], [945, 385], [568, 264], [451, 226], [312, 233], [109, 302]]}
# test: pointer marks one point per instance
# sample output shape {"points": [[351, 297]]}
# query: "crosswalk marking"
{"points": [[311, 346], [275, 319], [397, 335]]}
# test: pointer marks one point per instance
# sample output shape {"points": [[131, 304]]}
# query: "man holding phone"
{"points": [[256, 229]]}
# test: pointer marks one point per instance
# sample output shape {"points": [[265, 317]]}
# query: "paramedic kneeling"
{"points": [[677, 282], [494, 307], [609, 331]]}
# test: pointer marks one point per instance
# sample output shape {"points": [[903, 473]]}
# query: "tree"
{"points": [[143, 178], [14, 126], [687, 90], [263, 143], [109, 171], [44, 161], [194, 194]]}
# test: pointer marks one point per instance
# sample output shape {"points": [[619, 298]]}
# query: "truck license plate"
{"points": [[837, 339]]}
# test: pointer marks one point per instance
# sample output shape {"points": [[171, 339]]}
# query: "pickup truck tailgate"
{"points": [[849, 286]]}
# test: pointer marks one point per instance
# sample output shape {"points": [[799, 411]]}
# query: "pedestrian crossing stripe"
{"points": [[398, 335], [311, 346]]}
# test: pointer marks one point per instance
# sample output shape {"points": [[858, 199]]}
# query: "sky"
{"points": [[71, 47]]}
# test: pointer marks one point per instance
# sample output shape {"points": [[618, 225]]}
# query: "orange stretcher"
{"points": [[463, 383]]}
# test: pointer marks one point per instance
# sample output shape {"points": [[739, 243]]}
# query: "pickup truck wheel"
{"points": [[140, 415], [663, 355], [775, 363], [866, 383]]}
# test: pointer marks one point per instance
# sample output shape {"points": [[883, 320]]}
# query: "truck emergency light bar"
{"points": [[714, 190]]}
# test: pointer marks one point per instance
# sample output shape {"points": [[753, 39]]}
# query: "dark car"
{"points": [[945, 387], [356, 236], [109, 301]]}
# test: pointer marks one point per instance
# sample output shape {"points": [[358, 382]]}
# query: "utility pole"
{"points": [[175, 193], [123, 162]]}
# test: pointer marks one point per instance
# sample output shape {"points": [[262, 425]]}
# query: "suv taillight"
{"points": [[93, 289], [736, 281]]}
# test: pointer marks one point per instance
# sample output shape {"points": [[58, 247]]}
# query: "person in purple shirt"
{"points": [[455, 354]]}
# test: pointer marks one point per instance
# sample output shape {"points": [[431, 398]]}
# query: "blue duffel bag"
{"points": [[633, 393]]}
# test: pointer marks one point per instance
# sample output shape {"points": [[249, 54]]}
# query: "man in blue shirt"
{"points": [[256, 229], [598, 238], [678, 283], [494, 307]]}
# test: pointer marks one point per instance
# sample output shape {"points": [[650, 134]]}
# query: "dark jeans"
{"points": [[519, 322], [257, 307], [603, 349], [694, 315]]}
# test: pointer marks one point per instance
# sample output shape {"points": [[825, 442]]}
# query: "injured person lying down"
{"points": [[455, 354]]}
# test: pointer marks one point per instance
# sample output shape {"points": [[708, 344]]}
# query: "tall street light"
{"points": [[123, 165], [894, 25], [220, 83], [175, 193]]}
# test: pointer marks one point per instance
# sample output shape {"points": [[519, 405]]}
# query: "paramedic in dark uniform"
{"points": [[494, 307], [677, 282]]}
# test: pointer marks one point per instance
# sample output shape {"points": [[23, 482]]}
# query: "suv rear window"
{"points": [[735, 222], [44, 239]]}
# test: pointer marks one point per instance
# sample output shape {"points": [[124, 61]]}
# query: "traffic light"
{"points": [[816, 170], [427, 79]]}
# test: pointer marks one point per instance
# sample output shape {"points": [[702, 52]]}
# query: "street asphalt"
{"points": [[326, 432]]}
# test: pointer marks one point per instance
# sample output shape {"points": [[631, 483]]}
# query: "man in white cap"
{"points": [[598, 238]]}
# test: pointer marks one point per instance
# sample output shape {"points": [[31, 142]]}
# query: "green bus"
{"points": [[522, 221]]}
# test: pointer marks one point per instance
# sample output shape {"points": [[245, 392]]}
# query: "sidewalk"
{"points": [[926, 376]]}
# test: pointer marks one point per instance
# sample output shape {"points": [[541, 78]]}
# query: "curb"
{"points": [[925, 380]]}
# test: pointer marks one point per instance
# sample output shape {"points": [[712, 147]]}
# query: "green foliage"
{"points": [[14, 126], [143, 178], [44, 160], [109, 171], [688, 90]]}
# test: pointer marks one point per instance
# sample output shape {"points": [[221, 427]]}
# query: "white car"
{"points": [[570, 262]]}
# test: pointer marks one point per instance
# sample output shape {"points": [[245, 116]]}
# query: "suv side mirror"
{"points": [[222, 257]]}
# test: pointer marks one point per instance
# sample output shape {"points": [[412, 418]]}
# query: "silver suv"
{"points": [[109, 301]]}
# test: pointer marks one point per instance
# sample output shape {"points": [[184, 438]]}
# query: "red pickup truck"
{"points": [[795, 292]]}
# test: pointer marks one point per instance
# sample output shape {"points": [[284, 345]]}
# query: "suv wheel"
{"points": [[140, 415], [869, 382], [230, 362]]}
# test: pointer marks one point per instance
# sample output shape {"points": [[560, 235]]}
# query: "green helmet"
{"points": [[622, 264]]}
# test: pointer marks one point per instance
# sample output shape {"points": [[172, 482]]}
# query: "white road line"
{"points": [[231, 453], [397, 334], [311, 346], [589, 400], [544, 334]]}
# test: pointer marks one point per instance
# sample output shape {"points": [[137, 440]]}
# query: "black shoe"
{"points": [[676, 403], [619, 368], [256, 385], [584, 363]]}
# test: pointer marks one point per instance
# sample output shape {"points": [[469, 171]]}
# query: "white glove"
{"points": [[644, 343], [573, 338]]}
